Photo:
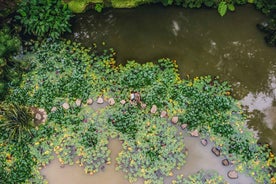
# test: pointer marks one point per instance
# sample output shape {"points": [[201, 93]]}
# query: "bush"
{"points": [[44, 18]]}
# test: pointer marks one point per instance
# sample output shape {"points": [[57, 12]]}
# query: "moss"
{"points": [[77, 6]]}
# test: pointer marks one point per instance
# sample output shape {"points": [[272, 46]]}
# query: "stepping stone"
{"points": [[225, 162], [216, 151], [78, 102], [174, 119], [100, 100], [53, 109], [123, 102], [232, 174], [153, 109], [143, 105], [89, 101], [184, 126], [66, 105], [194, 133], [204, 142], [163, 114], [111, 101], [38, 116]]}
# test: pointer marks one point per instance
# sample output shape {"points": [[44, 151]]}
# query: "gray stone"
{"points": [[153, 109], [184, 126], [163, 114], [53, 109], [216, 151], [174, 119], [78, 102], [204, 142], [225, 162], [100, 100], [66, 105], [89, 101], [38, 116], [194, 133], [232, 174], [111, 101]]}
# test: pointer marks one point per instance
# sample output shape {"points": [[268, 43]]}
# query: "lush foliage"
{"points": [[44, 18], [63, 72], [8, 45]]}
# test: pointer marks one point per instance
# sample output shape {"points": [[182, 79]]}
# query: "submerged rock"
{"points": [[204, 142], [232, 174], [111, 101], [174, 119], [225, 162], [153, 109], [100, 100], [216, 151]]}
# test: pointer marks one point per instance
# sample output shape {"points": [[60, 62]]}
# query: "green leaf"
{"points": [[222, 8], [231, 7]]}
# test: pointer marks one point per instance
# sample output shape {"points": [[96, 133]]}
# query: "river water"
{"points": [[202, 43]]}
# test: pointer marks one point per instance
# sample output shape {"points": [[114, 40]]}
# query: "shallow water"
{"points": [[202, 42], [199, 157]]}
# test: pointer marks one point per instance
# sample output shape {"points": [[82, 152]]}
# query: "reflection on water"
{"points": [[202, 42]]}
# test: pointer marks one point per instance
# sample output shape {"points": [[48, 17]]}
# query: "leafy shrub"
{"points": [[44, 18], [9, 44]]}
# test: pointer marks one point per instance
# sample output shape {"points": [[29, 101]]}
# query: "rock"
{"points": [[174, 119], [194, 133], [100, 100], [153, 109], [216, 151], [38, 116], [163, 114], [143, 105], [65, 105], [232, 174], [111, 101], [78, 102], [89, 101], [53, 109], [41, 110], [123, 102], [183, 126], [225, 162], [204, 142]]}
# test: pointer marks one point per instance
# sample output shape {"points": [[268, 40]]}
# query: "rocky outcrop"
{"points": [[184, 126]]}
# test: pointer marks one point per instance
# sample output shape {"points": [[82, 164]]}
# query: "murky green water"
{"points": [[202, 42]]}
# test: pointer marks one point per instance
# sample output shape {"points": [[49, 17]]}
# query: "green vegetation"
{"points": [[201, 177], [17, 121], [62, 73], [44, 18], [9, 67]]}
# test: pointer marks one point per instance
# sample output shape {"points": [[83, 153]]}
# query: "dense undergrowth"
{"points": [[62, 73]]}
